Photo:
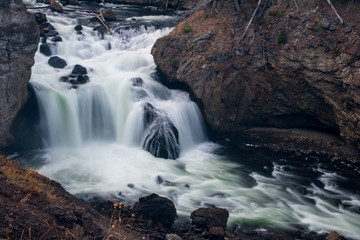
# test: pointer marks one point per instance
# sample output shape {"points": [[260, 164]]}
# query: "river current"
{"points": [[94, 135]]}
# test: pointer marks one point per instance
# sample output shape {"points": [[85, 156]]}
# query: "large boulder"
{"points": [[161, 137], [18, 43], [156, 208], [289, 70], [210, 217]]}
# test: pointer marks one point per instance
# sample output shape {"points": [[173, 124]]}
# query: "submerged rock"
{"points": [[161, 137], [57, 62], [156, 208]]}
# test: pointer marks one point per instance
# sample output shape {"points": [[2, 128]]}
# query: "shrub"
{"points": [[174, 63], [187, 28], [282, 37]]}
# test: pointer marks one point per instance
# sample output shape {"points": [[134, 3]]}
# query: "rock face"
{"points": [[18, 44], [295, 67]]}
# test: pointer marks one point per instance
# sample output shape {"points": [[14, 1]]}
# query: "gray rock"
{"points": [[18, 43]]}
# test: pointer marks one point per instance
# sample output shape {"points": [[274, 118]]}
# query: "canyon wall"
{"points": [[19, 36], [296, 67]]}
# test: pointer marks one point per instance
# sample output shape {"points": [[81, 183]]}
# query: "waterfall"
{"points": [[111, 106]]}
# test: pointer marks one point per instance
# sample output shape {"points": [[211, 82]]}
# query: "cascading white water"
{"points": [[94, 136]]}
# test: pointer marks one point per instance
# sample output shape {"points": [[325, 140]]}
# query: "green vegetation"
{"points": [[174, 64], [282, 37], [187, 28]]}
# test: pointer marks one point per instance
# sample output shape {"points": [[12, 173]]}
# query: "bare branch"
{"points": [[297, 7], [237, 5], [252, 18], [333, 8]]}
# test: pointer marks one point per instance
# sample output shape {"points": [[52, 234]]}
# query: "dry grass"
{"points": [[29, 180]]}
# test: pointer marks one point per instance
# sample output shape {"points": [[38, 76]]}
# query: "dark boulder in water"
{"points": [[56, 39], [78, 28], [45, 49], [161, 137], [137, 82], [156, 208], [78, 69], [57, 62]]}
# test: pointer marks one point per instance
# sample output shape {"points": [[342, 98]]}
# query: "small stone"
{"points": [[64, 79], [172, 237], [56, 7], [78, 28], [216, 233], [56, 39], [333, 236], [57, 62], [78, 69], [81, 79]]}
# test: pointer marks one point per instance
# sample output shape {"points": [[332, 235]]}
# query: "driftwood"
{"points": [[252, 18], [333, 8], [103, 23]]}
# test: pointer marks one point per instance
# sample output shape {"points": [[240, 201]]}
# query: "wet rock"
{"points": [[109, 14], [56, 7], [81, 79], [210, 217], [156, 208], [40, 18], [56, 39], [78, 28], [78, 69], [45, 49], [137, 82], [57, 62]]}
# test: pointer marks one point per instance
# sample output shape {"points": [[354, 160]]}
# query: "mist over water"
{"points": [[94, 136]]}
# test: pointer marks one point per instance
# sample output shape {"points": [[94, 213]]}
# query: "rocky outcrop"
{"points": [[295, 67], [18, 44]]}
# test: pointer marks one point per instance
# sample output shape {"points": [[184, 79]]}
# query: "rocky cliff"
{"points": [[297, 66], [18, 43]]}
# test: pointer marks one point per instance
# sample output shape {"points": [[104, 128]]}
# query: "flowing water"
{"points": [[94, 136]]}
